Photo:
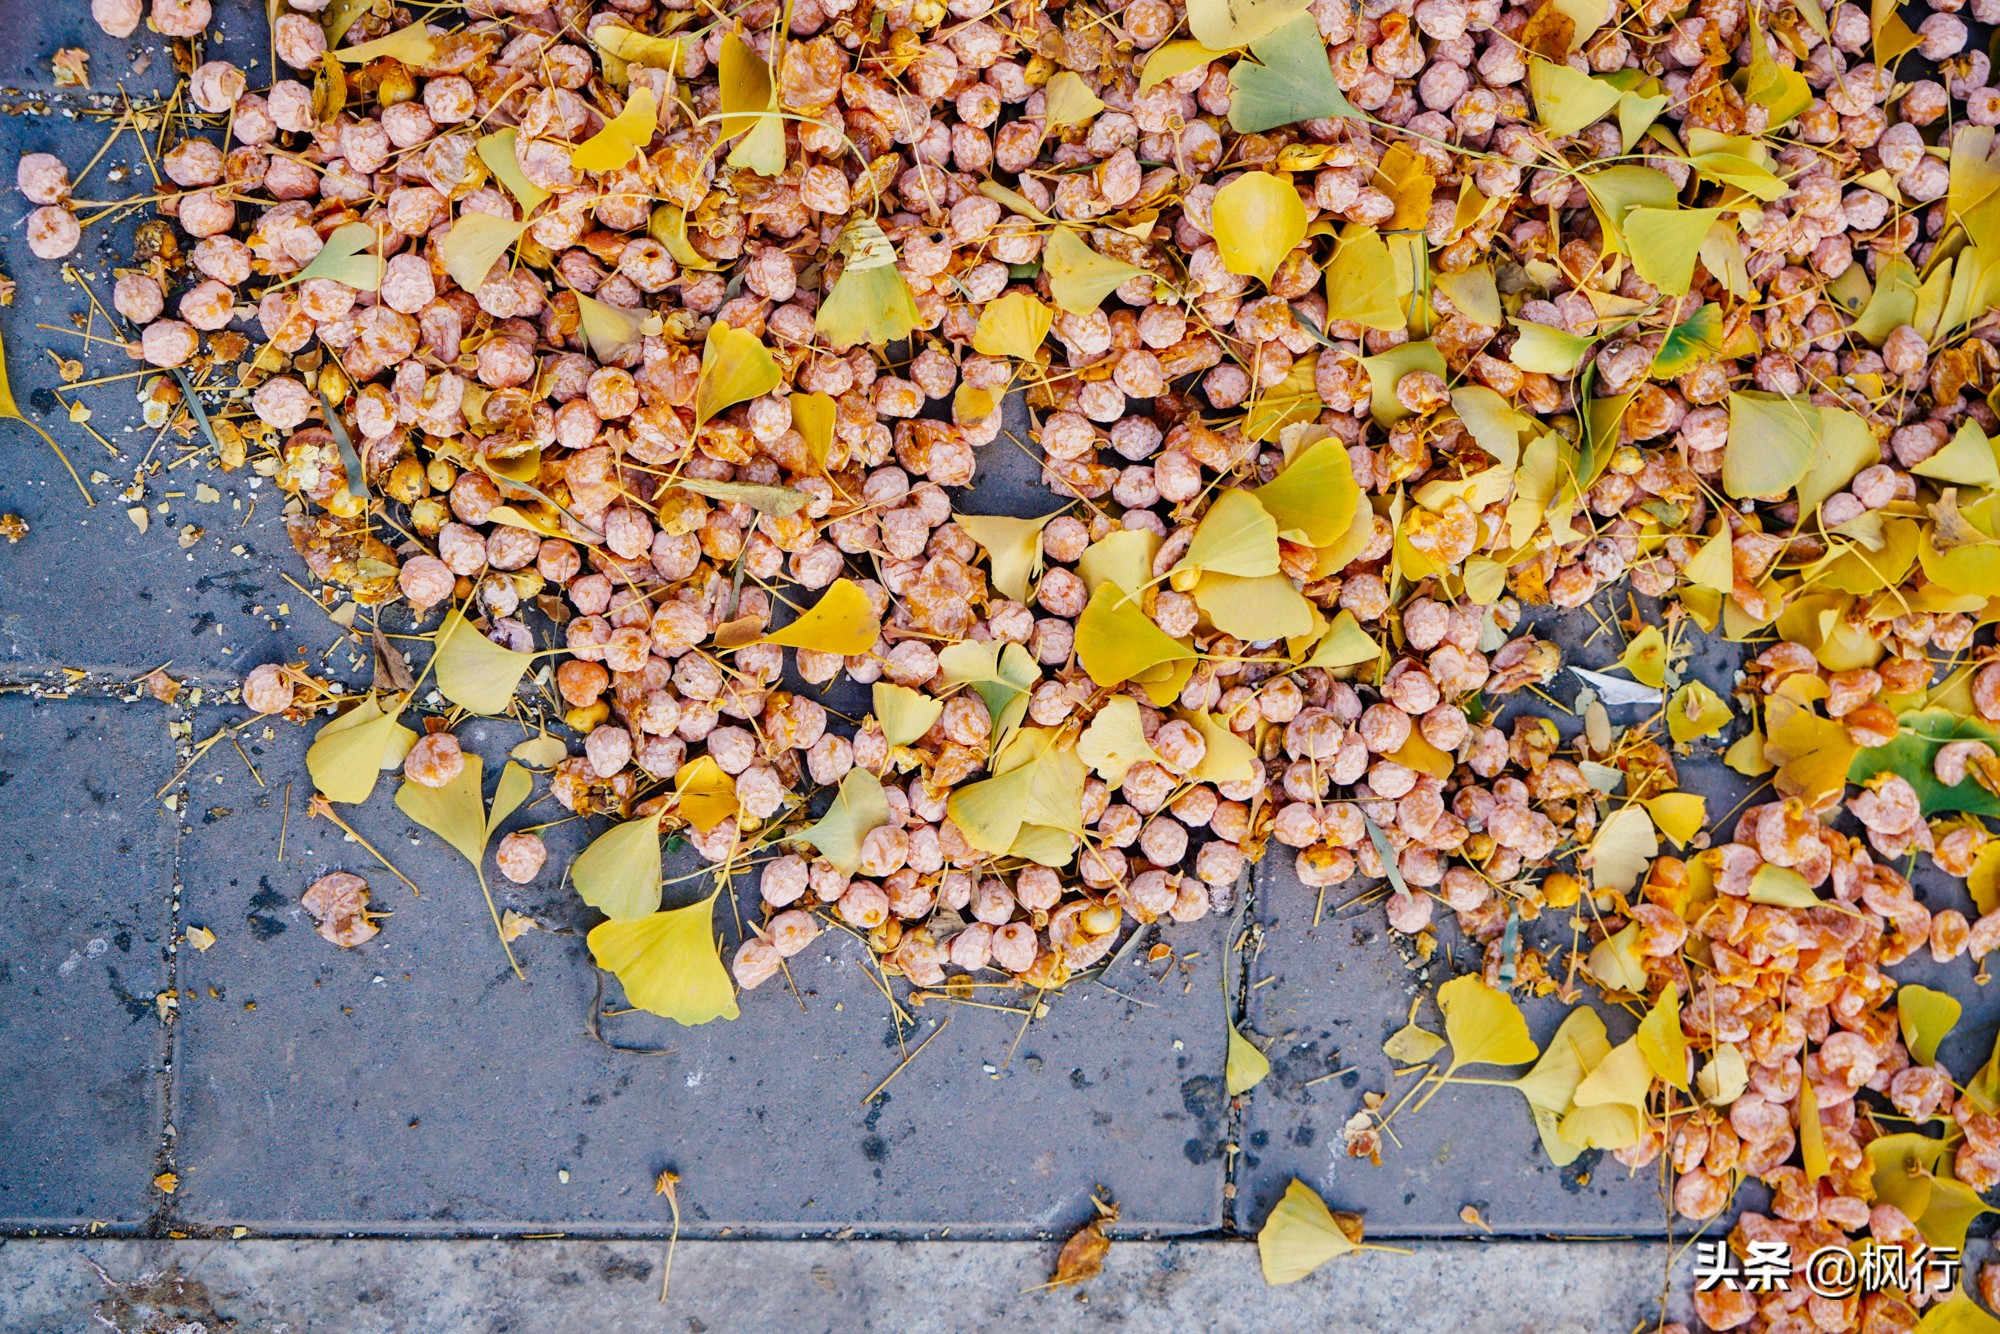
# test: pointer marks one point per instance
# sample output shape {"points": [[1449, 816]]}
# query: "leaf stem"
{"points": [[498, 929]]}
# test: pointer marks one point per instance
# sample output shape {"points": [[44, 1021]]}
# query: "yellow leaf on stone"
{"points": [[1661, 1040], [1237, 536], [623, 137], [1624, 847], [1781, 887], [707, 794], [1724, 1078], [1115, 740], [1961, 547], [1696, 711], [1255, 610], [1116, 640], [1611, 1125], [667, 963], [1578, 1047], [474, 245], [1079, 277], [1565, 99], [1013, 548], [350, 752], [1616, 963], [1244, 1067], [1412, 1044], [1301, 1235], [858, 807], [1620, 1078], [619, 873], [1171, 58], [870, 303], [1013, 326], [904, 714], [472, 670], [1257, 219], [735, 367], [1646, 657], [843, 621], [1483, 1024], [1067, 100], [1315, 498], [1678, 815], [1344, 644], [1223, 25]]}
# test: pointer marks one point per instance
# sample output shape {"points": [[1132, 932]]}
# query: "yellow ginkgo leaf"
{"points": [[858, 807], [1228, 759], [1001, 675], [667, 963], [1616, 962], [1171, 58], [1244, 1067], [707, 794], [1386, 369], [472, 670], [1079, 277], [1237, 536], [344, 258], [623, 137], [735, 366], [1314, 499], [1013, 326], [496, 150], [1116, 640], [749, 107], [813, 416], [1771, 443], [1067, 100], [1361, 282], [1967, 461], [1565, 99], [1344, 644], [1257, 220], [1013, 548], [350, 753], [1696, 711], [1476, 293], [1620, 1078], [619, 873], [1646, 657], [1678, 815], [1547, 350], [612, 332], [1483, 1024], [1812, 1134], [870, 303], [1714, 565], [457, 813], [1115, 740], [1578, 1047], [1412, 1044], [1302, 1234], [474, 245], [1257, 610], [637, 48], [904, 714], [1223, 25], [1664, 244], [778, 500], [1661, 1040], [1122, 558], [1724, 1078], [843, 621], [1624, 847], [1927, 1018], [412, 45], [1610, 1125]]}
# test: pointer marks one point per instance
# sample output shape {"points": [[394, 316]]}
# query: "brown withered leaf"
{"points": [[161, 686], [1082, 1256], [1549, 32], [72, 67], [339, 904]]}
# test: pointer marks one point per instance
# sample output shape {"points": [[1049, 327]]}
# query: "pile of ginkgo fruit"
{"points": [[648, 345]]}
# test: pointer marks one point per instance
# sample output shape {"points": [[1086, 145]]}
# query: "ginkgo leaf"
{"points": [[1344, 644], [1412, 1044], [1067, 100], [1032, 778], [1782, 92], [735, 367], [412, 45], [1483, 1024], [1475, 292], [1646, 657], [1694, 339], [1696, 711], [1302, 1234], [1116, 740], [1812, 1134], [1547, 350], [1577, 1047], [1290, 80], [1565, 99], [1678, 815], [1724, 1078], [638, 48], [1920, 734], [1258, 219], [350, 752], [1223, 25], [1714, 565], [1244, 1067], [1001, 675], [870, 303], [1386, 369], [1258, 610], [858, 807], [1957, 1314], [1927, 1018], [706, 793], [667, 963], [1079, 277], [1770, 445], [496, 150], [1616, 963], [1361, 282], [843, 621], [1624, 847], [623, 137], [344, 258], [1664, 244], [474, 245], [1610, 1125], [1013, 548], [1013, 326], [1122, 558], [1968, 460], [1621, 1078], [1116, 640], [619, 873], [1163, 62], [1636, 114], [455, 812], [1661, 1040], [473, 671], [813, 416], [611, 332], [1237, 536], [1228, 758], [1315, 498], [904, 714], [778, 500], [1781, 887]]}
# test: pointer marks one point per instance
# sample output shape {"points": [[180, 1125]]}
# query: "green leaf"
{"points": [[1546, 349], [344, 258], [1926, 1018], [1664, 244], [619, 873], [1695, 339], [1566, 100], [667, 963], [473, 671], [1001, 674], [1290, 81], [1483, 1024], [859, 807], [351, 751], [1245, 1067], [1920, 734]]}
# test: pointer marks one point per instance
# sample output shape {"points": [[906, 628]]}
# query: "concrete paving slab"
{"points": [[414, 1085], [88, 857], [142, 64], [384, 1287]]}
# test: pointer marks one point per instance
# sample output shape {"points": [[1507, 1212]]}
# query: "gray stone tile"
{"points": [[413, 1084], [87, 589], [141, 64], [88, 857]]}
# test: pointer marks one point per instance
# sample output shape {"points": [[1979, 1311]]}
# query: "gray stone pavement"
{"points": [[936, 1287]]}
